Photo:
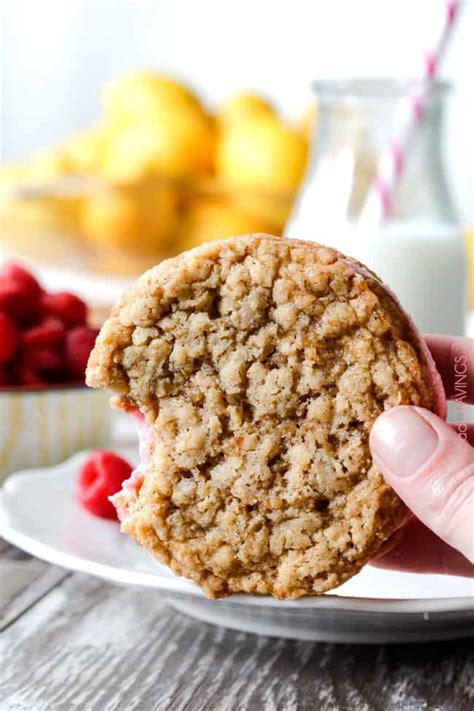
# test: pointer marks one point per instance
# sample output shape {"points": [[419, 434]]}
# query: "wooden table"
{"points": [[70, 642]]}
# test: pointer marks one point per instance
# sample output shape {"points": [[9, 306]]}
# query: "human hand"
{"points": [[430, 464]]}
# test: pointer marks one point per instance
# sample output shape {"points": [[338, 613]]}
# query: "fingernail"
{"points": [[402, 441]]}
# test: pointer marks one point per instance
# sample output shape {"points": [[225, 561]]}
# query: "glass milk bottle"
{"points": [[419, 250]]}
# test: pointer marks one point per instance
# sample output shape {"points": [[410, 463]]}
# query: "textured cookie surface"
{"points": [[260, 365]]}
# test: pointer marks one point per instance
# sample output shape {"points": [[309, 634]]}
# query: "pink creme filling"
{"points": [[131, 486]]}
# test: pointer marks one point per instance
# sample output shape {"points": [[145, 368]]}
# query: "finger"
{"points": [[432, 470], [454, 358], [419, 550]]}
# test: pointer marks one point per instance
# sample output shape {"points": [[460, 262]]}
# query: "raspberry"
{"points": [[15, 274], [101, 476], [49, 330], [4, 378], [78, 345], [41, 359], [20, 303], [68, 307], [8, 337], [29, 376], [19, 293]]}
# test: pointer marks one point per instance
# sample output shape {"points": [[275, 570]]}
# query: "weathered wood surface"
{"points": [[23, 581], [70, 642]]}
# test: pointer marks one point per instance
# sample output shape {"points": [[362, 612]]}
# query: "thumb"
{"points": [[431, 468]]}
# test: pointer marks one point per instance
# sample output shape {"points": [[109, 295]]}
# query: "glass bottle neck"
{"points": [[422, 191], [351, 134]]}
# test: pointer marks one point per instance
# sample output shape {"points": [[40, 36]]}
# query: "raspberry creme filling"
{"points": [[131, 486]]}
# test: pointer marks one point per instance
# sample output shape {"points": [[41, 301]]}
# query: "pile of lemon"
{"points": [[165, 174]]}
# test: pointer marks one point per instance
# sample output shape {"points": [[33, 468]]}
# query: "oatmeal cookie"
{"points": [[258, 366]]}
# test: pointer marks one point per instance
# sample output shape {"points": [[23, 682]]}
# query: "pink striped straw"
{"points": [[409, 118]]}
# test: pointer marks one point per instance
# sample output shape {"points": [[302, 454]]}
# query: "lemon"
{"points": [[213, 219], [80, 153], [48, 164], [271, 208], [122, 262], [243, 106], [179, 145], [262, 154], [85, 150], [11, 175], [138, 96], [136, 219]]}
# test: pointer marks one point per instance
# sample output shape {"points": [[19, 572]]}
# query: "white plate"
{"points": [[39, 514]]}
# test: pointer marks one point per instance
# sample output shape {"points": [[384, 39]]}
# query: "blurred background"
{"points": [[133, 129]]}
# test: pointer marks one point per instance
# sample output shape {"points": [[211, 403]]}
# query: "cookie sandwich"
{"points": [[255, 368]]}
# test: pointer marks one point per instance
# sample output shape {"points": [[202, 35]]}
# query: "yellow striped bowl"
{"points": [[44, 426]]}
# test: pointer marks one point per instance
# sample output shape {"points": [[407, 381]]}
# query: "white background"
{"points": [[57, 54]]}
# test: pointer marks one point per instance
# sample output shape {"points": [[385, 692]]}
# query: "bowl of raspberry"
{"points": [[46, 411]]}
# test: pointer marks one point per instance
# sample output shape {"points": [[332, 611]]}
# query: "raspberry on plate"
{"points": [[101, 476], [78, 345], [66, 306]]}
